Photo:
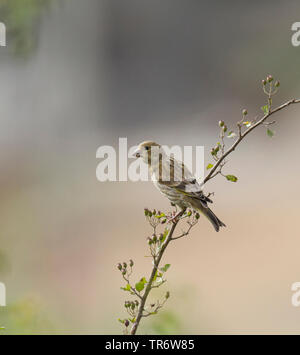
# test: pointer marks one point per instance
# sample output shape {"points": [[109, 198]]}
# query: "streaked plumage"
{"points": [[175, 181]]}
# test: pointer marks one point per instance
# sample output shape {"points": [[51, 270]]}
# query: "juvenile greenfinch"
{"points": [[175, 181]]}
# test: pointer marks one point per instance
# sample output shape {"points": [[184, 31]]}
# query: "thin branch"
{"points": [[153, 273], [243, 135], [157, 308], [184, 233], [132, 288]]}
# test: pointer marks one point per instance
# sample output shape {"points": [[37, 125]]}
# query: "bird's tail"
{"points": [[208, 213], [215, 221], [201, 206]]}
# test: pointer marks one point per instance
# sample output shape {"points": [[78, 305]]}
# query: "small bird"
{"points": [[175, 181]]}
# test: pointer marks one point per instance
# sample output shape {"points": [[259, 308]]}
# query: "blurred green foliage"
{"points": [[26, 316], [166, 322], [21, 18]]}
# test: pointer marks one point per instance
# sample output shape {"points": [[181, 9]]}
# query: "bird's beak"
{"points": [[137, 153]]}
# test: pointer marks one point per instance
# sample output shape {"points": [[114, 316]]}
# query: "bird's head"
{"points": [[146, 150]]}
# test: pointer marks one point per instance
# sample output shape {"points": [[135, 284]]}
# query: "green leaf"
{"points": [[265, 109], [165, 268], [209, 166], [139, 286], [247, 124], [121, 320], [160, 215], [231, 134], [127, 288], [143, 279], [270, 133], [231, 178]]}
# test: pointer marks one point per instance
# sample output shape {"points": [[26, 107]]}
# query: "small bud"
{"points": [[136, 302], [149, 240], [119, 266], [131, 263], [213, 152], [123, 272], [221, 123], [189, 213], [264, 82], [126, 304], [224, 128], [154, 212], [126, 323], [152, 305], [197, 215], [277, 84], [269, 78], [163, 221], [167, 295], [154, 239], [124, 265], [217, 148], [161, 237], [244, 112], [146, 211]]}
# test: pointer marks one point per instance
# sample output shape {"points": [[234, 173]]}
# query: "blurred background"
{"points": [[79, 74]]}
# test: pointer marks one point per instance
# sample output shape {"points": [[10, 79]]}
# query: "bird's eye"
{"points": [[147, 148]]}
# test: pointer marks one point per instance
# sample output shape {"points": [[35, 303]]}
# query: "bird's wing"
{"points": [[175, 174]]}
